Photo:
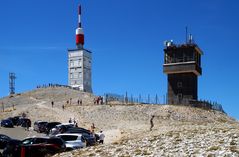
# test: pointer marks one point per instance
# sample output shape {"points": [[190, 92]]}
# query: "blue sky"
{"points": [[126, 38]]}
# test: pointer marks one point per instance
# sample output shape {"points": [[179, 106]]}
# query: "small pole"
{"points": [[186, 34], [156, 99], [126, 97], [2, 107]]}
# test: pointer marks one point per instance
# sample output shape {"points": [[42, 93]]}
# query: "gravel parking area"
{"points": [[19, 132]]}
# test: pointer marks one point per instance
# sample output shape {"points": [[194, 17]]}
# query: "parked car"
{"points": [[40, 146], [7, 123], [24, 122], [12, 149], [61, 128], [14, 119], [87, 133], [91, 139], [73, 141], [78, 130], [4, 139], [35, 147], [49, 126], [39, 126]]}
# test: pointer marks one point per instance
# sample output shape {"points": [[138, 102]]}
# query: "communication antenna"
{"points": [[191, 41], [12, 78], [186, 34]]}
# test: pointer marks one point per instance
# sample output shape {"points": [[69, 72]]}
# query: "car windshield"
{"points": [[56, 141], [52, 124], [40, 140], [7, 121], [4, 137], [68, 137], [27, 141], [42, 123]]}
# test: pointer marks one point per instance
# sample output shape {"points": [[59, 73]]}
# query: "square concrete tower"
{"points": [[79, 69], [182, 64]]}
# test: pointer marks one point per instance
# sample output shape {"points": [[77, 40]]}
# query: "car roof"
{"points": [[66, 124], [23, 118], [77, 128], [6, 120], [54, 122], [69, 134], [45, 137], [4, 135], [42, 122], [59, 125]]}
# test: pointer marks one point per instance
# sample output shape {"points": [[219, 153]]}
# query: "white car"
{"points": [[73, 141], [61, 128]]}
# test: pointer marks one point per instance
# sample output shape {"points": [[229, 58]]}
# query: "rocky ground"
{"points": [[187, 140], [178, 130]]}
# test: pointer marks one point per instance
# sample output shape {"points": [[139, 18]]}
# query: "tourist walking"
{"points": [[52, 104], [151, 122], [101, 137]]}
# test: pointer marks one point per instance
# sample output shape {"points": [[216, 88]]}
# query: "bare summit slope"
{"points": [[178, 130]]}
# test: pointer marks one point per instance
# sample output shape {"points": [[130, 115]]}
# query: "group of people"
{"points": [[56, 85], [101, 134], [98, 100], [50, 85], [74, 122], [69, 102]]}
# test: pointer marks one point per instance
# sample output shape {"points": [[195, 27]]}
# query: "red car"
{"points": [[36, 147]]}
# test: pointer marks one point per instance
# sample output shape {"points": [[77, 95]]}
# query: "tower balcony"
{"points": [[182, 67]]}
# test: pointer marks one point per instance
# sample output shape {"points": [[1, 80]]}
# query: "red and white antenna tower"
{"points": [[79, 31]]}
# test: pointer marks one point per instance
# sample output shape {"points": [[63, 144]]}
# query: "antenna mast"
{"points": [[12, 78], [186, 34]]}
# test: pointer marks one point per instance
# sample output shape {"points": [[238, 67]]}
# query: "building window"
{"points": [[180, 96], [75, 75], [75, 63], [71, 64], [179, 84], [71, 75]]}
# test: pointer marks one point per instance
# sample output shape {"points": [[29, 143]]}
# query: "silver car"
{"points": [[73, 141]]}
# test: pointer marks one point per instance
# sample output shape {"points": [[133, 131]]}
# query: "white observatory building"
{"points": [[79, 62]]}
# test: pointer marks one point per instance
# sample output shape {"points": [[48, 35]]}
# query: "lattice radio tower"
{"points": [[12, 78]]}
